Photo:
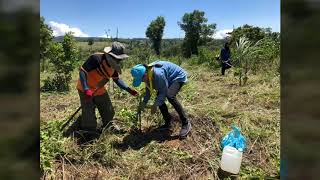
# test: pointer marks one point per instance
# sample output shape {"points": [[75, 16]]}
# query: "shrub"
{"points": [[171, 50], [59, 82], [268, 50], [207, 56], [176, 59], [64, 58], [51, 144], [243, 58], [139, 55]]}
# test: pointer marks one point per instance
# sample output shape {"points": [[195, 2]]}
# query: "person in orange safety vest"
{"points": [[97, 70]]}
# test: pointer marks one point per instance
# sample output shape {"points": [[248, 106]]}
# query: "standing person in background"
{"points": [[93, 75], [225, 55], [167, 79]]}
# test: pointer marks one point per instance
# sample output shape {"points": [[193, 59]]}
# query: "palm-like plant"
{"points": [[244, 52]]}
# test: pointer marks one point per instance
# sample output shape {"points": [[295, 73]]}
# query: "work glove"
{"points": [[89, 93], [132, 92]]}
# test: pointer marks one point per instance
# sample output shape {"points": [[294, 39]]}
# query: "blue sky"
{"points": [[132, 17]]}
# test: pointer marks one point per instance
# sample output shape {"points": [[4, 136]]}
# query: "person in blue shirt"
{"points": [[166, 79], [225, 55]]}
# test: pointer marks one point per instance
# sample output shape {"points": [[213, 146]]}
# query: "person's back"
{"points": [[225, 56], [167, 79], [171, 71]]}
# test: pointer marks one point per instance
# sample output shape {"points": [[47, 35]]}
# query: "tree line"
{"points": [[197, 47]]}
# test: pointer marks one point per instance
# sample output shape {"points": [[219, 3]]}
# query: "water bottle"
{"points": [[231, 160]]}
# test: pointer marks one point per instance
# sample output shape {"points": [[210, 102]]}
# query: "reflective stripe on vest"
{"points": [[103, 69], [96, 76]]}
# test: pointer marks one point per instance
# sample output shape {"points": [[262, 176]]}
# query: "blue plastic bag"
{"points": [[234, 139]]}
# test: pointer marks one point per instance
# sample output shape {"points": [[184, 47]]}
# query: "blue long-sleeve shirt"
{"points": [[162, 79]]}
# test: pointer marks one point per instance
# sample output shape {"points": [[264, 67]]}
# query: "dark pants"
{"points": [[171, 96], [104, 105], [224, 66]]}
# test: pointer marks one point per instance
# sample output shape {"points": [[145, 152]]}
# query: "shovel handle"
{"points": [[71, 117]]}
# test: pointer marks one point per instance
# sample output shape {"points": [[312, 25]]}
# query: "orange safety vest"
{"points": [[97, 78]]}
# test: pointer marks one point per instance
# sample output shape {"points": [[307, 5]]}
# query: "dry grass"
{"points": [[213, 103]]}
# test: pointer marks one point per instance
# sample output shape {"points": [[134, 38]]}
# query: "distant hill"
{"points": [[80, 39], [97, 39], [215, 42]]}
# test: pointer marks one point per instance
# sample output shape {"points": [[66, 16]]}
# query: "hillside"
{"points": [[213, 104]]}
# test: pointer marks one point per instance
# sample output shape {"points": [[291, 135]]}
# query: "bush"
{"points": [[171, 50], [245, 50], [51, 144], [139, 55], [64, 58], [176, 59], [259, 57], [60, 82], [205, 57], [193, 60], [269, 50]]}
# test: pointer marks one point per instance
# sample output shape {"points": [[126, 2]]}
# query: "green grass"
{"points": [[83, 46], [213, 104]]}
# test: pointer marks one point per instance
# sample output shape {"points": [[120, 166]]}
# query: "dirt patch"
{"points": [[173, 143]]}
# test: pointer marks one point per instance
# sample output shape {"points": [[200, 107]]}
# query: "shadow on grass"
{"points": [[82, 137], [137, 139]]}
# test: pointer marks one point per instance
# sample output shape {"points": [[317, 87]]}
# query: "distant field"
{"points": [[96, 46]]}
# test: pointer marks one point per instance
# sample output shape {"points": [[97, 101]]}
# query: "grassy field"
{"points": [[213, 104]]}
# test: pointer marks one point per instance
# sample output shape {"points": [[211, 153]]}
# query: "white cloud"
{"points": [[221, 34], [60, 29]]}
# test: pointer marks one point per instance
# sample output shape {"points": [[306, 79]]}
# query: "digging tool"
{"points": [[139, 110], [227, 63], [218, 58], [72, 116]]}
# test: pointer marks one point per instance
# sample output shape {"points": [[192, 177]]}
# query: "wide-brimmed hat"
{"points": [[116, 50]]}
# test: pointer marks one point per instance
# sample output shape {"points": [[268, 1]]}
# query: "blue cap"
{"points": [[137, 73]]}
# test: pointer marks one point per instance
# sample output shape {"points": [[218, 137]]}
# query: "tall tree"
{"points": [[197, 31], [252, 33], [155, 32], [45, 41]]}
